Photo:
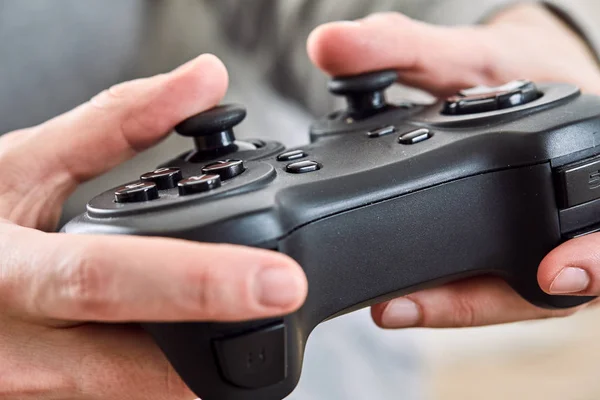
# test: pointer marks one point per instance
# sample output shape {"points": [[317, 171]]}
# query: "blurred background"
{"points": [[55, 55]]}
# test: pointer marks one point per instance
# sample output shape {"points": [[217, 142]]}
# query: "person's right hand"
{"points": [[524, 41], [54, 287]]}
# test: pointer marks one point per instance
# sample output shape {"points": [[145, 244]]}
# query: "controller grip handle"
{"points": [[502, 223]]}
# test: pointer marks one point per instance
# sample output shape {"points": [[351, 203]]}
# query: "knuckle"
{"points": [[212, 294], [85, 284], [464, 312], [202, 291], [110, 97]]}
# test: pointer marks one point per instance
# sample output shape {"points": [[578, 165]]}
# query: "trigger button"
{"points": [[254, 360]]}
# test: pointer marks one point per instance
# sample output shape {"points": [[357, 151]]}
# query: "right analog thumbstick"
{"points": [[365, 92]]}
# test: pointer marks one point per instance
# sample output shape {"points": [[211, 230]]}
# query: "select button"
{"points": [[302, 167], [291, 155], [379, 132], [416, 136]]}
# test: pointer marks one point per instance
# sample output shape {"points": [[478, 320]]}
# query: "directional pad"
{"points": [[226, 169]]}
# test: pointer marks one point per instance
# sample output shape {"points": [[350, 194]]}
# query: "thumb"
{"points": [[105, 131], [572, 268], [439, 59]]}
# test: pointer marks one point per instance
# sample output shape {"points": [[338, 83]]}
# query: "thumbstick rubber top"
{"points": [[364, 83], [218, 119]]}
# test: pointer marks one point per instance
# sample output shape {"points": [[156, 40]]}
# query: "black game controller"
{"points": [[388, 199]]}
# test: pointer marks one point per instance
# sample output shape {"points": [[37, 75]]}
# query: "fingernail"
{"points": [[570, 280], [401, 313], [277, 287]]}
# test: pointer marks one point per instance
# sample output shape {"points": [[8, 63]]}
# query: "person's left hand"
{"points": [[525, 42]]}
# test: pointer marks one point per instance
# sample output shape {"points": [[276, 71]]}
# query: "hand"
{"points": [[55, 287], [523, 42]]}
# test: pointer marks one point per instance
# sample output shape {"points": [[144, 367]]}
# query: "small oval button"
{"points": [[415, 136], [386, 130], [291, 155], [302, 167]]}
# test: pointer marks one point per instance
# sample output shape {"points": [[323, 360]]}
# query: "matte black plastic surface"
{"points": [[378, 219]]}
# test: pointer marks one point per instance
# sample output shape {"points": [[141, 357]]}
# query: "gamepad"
{"points": [[388, 198]]}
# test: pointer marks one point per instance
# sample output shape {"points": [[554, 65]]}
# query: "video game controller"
{"points": [[389, 198]]}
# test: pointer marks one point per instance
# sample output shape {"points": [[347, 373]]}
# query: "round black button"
{"points": [[136, 192], [301, 167], [165, 178], [226, 169], [198, 184], [485, 99]]}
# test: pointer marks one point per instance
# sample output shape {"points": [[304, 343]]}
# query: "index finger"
{"points": [[122, 278]]}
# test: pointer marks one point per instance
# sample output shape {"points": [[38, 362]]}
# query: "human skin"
{"points": [[523, 42], [66, 300]]}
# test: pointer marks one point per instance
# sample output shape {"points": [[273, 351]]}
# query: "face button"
{"points": [[301, 167], [136, 192], [291, 155], [381, 131], [165, 178], [226, 169], [484, 98], [198, 184], [416, 136]]}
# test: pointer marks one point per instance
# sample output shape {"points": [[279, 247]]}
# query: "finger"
{"points": [[107, 130], [439, 59], [572, 268], [443, 60], [122, 278], [86, 362], [473, 302]]}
